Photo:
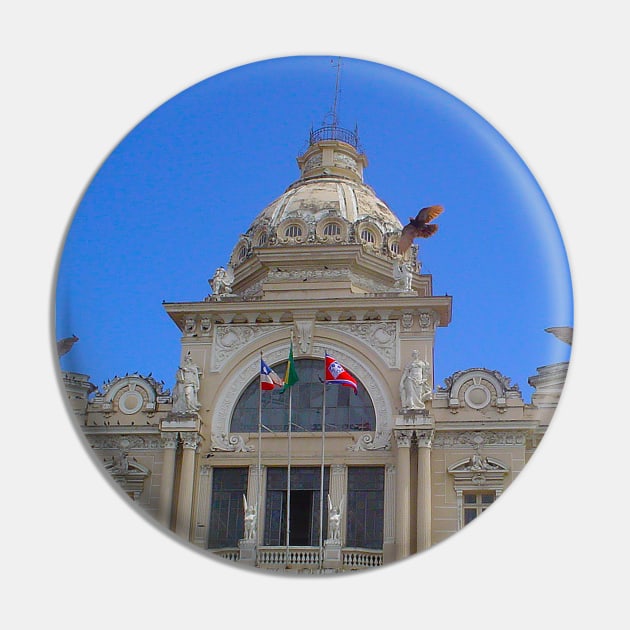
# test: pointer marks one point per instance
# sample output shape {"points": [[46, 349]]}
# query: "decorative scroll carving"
{"points": [[233, 443], [229, 339], [381, 336]]}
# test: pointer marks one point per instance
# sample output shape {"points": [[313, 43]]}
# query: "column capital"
{"points": [[169, 440], [190, 440], [403, 438], [424, 437]]}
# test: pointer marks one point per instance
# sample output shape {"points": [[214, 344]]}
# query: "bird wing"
{"points": [[429, 213], [427, 230], [407, 235]]}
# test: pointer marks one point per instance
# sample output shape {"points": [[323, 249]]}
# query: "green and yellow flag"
{"points": [[290, 376]]}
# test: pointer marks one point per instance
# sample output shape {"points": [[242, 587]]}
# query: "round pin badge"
{"points": [[313, 316]]}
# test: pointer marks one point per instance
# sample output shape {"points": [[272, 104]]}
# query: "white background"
{"points": [[551, 77]]}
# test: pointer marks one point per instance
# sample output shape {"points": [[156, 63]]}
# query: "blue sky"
{"points": [[168, 205]]}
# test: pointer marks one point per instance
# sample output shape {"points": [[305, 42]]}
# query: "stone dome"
{"points": [[329, 204]]}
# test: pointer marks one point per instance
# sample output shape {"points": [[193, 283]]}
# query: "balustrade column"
{"points": [[190, 441], [424, 440], [403, 512], [165, 506]]}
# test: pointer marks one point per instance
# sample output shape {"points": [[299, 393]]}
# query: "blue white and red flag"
{"points": [[269, 380], [336, 373]]}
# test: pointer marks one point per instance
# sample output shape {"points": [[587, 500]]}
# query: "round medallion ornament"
{"points": [[278, 220]]}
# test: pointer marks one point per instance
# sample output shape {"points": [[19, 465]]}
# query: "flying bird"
{"points": [[419, 227], [564, 333], [65, 345]]}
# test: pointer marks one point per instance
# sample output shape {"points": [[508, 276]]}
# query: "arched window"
{"points": [[394, 248], [242, 252], [332, 229], [293, 230], [367, 236], [344, 410], [262, 241]]}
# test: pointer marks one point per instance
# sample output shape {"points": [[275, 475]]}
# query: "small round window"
{"points": [[293, 230], [332, 229]]}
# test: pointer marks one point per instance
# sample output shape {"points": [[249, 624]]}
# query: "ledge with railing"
{"points": [[307, 557]]}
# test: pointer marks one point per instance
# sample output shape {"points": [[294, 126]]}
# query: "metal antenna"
{"points": [[336, 101]]}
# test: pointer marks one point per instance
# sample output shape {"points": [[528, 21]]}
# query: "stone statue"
{"points": [[186, 388], [250, 520], [334, 520], [480, 463], [414, 386], [403, 274], [221, 282]]}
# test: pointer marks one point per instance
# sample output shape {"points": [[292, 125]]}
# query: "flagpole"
{"points": [[258, 498], [321, 481], [289, 461]]}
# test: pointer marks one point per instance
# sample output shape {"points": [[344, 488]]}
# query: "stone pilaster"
{"points": [[165, 507], [190, 441], [424, 438], [389, 517], [403, 523]]}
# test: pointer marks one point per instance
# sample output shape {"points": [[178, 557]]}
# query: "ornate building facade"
{"points": [[402, 465]]}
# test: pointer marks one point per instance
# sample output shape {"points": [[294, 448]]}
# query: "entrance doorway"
{"points": [[304, 520]]}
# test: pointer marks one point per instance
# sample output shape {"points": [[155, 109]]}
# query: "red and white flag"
{"points": [[269, 380], [336, 373]]}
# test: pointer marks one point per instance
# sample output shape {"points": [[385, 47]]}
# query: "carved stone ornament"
{"points": [[127, 472], [190, 326], [457, 439], [304, 335], [426, 319], [233, 443], [403, 438], [478, 471], [380, 336], [229, 339], [124, 442], [190, 440], [407, 320], [206, 326]]}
